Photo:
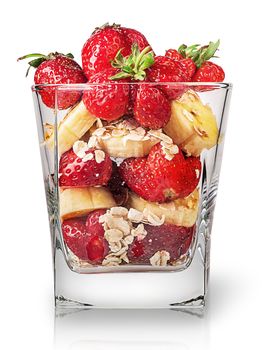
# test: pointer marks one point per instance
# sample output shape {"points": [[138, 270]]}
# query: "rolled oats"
{"points": [[113, 235], [80, 148], [135, 215], [99, 156], [160, 258]]}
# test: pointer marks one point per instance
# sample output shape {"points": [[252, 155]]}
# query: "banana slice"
{"points": [[124, 139], [192, 125], [75, 124], [180, 212], [75, 202]]}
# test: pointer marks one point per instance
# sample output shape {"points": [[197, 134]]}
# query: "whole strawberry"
{"points": [[188, 63], [102, 47], [85, 237], [173, 239], [206, 71], [134, 36], [209, 72], [151, 108], [167, 70], [93, 168], [104, 100], [56, 68], [160, 178]]}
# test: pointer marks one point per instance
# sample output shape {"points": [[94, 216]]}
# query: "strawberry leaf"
{"points": [[134, 65], [199, 54]]}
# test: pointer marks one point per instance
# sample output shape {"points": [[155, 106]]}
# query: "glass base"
{"points": [[183, 289]]}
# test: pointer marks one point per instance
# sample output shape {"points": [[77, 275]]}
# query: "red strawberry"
{"points": [[175, 240], [188, 63], [75, 236], [85, 237], [106, 101], [209, 72], [57, 68], [101, 48], [151, 108], [97, 247], [189, 66], [166, 70], [206, 71], [174, 54], [133, 36], [158, 179], [80, 172]]}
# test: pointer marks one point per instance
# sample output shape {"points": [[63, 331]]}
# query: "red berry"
{"points": [[209, 72], [76, 172], [175, 240], [97, 247], [174, 54], [134, 36], [189, 66], [152, 108], [93, 225], [188, 63], [85, 237], [101, 48], [76, 236], [158, 179], [106, 101], [59, 69], [166, 70]]}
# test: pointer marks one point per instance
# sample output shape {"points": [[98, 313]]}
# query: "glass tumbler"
{"points": [[130, 194]]}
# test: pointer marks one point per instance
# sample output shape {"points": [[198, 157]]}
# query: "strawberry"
{"points": [[206, 71], [209, 72], [101, 48], [85, 237], [158, 179], [174, 54], [189, 66], [175, 240], [165, 70], [80, 172], [56, 68], [188, 63], [75, 236], [97, 247], [107, 101], [133, 36], [151, 108]]}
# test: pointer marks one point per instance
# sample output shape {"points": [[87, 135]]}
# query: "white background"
{"points": [[233, 318]]}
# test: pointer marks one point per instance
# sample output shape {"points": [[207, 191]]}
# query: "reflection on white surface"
{"points": [[152, 329], [130, 330]]}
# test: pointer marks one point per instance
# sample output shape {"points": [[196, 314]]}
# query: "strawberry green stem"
{"points": [[140, 56], [135, 65], [199, 54]]}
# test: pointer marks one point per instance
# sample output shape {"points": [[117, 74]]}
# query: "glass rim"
{"points": [[83, 86]]}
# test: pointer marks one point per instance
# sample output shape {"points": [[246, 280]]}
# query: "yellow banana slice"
{"points": [[180, 212], [75, 124], [75, 202], [192, 125], [123, 139]]}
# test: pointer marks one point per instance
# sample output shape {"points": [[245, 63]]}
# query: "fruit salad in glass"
{"points": [[129, 144]]}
